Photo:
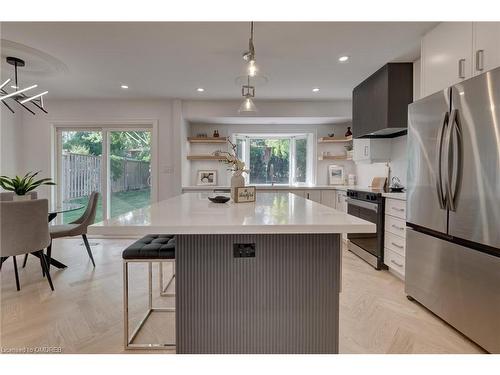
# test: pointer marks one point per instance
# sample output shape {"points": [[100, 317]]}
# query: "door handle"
{"points": [[398, 209], [480, 60], [397, 227], [398, 246], [454, 150], [461, 68], [439, 177]]}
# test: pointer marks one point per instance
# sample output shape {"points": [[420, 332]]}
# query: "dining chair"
{"points": [[24, 229], [77, 227]]}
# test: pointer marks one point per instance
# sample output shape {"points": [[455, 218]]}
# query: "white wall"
{"points": [[29, 146], [196, 112], [399, 158], [36, 139], [227, 130], [10, 140], [416, 79]]}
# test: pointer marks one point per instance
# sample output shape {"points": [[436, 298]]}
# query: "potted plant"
{"points": [[21, 186], [236, 166]]}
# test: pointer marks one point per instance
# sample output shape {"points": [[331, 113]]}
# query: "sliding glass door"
{"points": [[113, 162], [80, 171], [129, 170]]}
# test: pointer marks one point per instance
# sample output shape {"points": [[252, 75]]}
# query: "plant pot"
{"points": [[237, 180], [26, 197]]}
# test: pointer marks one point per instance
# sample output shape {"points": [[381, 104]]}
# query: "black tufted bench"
{"points": [[149, 249]]}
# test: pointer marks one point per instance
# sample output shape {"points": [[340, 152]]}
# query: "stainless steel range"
{"points": [[367, 205]]}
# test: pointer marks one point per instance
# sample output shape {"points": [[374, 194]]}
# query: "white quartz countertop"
{"points": [[193, 213], [274, 187]]}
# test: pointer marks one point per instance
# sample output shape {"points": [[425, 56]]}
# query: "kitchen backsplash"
{"points": [[399, 158], [397, 165]]}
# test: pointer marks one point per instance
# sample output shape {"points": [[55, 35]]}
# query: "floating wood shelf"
{"points": [[205, 157], [334, 139], [207, 139], [334, 157]]}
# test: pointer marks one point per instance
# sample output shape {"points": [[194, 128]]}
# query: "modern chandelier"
{"points": [[248, 90], [18, 95]]}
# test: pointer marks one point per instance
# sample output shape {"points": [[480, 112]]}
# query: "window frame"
{"points": [[292, 136]]}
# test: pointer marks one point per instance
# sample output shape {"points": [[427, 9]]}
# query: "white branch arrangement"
{"points": [[231, 159]]}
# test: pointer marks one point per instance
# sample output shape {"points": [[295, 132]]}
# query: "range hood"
{"points": [[380, 102]]}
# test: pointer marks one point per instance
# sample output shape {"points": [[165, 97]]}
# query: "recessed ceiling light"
{"points": [[124, 87], [343, 58], [200, 89], [316, 89]]}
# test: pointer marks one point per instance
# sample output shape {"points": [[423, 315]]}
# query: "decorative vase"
{"points": [[348, 133], [237, 180], [25, 197]]}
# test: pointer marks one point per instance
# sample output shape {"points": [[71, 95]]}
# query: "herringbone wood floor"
{"points": [[84, 314]]}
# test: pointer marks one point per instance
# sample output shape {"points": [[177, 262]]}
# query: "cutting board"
{"points": [[379, 182]]}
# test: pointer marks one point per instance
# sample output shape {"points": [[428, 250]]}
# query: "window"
{"points": [[282, 159]]}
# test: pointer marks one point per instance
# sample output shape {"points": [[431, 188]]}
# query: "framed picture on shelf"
{"points": [[206, 178], [335, 175]]}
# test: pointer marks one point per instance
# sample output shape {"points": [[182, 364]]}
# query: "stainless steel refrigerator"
{"points": [[453, 207]]}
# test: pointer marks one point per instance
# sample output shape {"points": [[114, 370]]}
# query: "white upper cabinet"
{"points": [[371, 150], [446, 56], [486, 48], [454, 51]]}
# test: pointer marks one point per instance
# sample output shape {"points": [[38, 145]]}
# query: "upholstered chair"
{"points": [[24, 229], [77, 227]]}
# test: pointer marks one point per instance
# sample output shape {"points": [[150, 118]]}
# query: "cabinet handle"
{"points": [[480, 60], [366, 150], [398, 246], [396, 263], [395, 226], [461, 68], [307, 195], [398, 209]]}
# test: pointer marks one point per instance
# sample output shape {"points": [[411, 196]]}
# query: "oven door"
{"points": [[370, 212]]}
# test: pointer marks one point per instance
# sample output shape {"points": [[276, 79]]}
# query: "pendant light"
{"points": [[18, 96], [249, 56], [248, 92]]}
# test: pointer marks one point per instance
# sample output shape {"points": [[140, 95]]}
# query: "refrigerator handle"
{"points": [[454, 150], [439, 177]]}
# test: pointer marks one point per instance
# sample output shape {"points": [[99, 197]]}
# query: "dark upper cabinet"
{"points": [[380, 103]]}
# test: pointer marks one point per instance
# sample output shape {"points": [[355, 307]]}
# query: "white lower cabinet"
{"points": [[313, 195], [395, 236], [328, 198]]}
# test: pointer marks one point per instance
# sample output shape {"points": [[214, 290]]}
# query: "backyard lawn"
{"points": [[121, 202]]}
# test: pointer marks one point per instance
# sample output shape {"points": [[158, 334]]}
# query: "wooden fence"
{"points": [[81, 174]]}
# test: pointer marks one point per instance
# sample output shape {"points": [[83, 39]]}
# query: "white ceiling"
{"points": [[170, 60]]}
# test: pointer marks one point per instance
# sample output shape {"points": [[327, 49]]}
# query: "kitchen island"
{"points": [[260, 277]]}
